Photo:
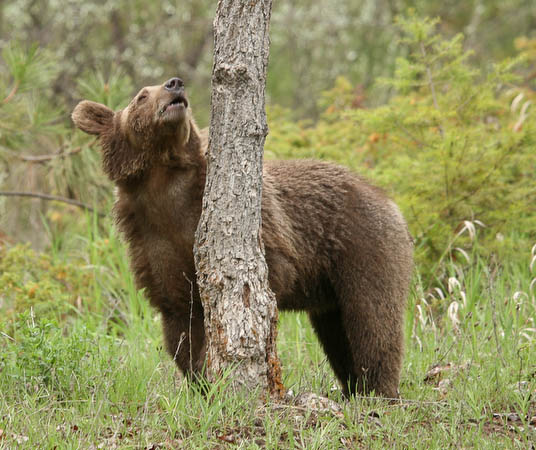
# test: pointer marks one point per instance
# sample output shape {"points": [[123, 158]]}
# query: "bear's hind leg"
{"points": [[372, 321], [330, 332]]}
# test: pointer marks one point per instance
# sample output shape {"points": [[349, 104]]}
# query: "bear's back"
{"points": [[318, 214]]}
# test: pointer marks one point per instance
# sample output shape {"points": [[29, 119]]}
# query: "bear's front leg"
{"points": [[184, 335]]}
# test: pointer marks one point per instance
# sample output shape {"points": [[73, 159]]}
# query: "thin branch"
{"points": [[53, 198], [12, 93], [45, 158], [432, 86], [531, 77], [410, 135]]}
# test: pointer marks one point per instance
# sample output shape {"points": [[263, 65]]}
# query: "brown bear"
{"points": [[336, 246]]}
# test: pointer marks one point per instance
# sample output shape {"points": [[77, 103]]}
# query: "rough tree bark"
{"points": [[240, 309]]}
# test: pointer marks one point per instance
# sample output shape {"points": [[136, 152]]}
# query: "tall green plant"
{"points": [[458, 152], [454, 146]]}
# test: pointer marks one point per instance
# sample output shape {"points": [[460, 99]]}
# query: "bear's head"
{"points": [[155, 128]]}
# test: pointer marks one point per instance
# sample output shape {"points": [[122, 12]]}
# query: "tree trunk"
{"points": [[240, 309]]}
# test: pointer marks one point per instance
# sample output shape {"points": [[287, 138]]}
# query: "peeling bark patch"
{"points": [[227, 74], [245, 295], [275, 379]]}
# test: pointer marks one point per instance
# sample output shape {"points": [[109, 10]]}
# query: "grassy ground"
{"points": [[82, 365]]}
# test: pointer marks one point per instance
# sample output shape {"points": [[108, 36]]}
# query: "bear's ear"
{"points": [[93, 118]]}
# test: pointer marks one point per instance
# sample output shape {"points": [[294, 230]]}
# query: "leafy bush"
{"points": [[52, 360], [44, 356], [36, 280], [455, 147]]}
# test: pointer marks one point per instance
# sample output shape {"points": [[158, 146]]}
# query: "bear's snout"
{"points": [[174, 85], [173, 99]]}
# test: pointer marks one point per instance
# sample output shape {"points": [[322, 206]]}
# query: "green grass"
{"points": [[82, 365]]}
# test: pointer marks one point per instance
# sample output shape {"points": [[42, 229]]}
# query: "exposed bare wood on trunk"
{"points": [[240, 309]]}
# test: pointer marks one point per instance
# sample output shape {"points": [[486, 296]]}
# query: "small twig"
{"points": [[12, 93], [53, 198], [190, 322], [7, 336]]}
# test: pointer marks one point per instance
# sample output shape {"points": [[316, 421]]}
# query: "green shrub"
{"points": [[454, 147], [42, 356], [37, 280]]}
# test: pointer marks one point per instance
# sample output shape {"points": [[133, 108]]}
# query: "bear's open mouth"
{"points": [[176, 102]]}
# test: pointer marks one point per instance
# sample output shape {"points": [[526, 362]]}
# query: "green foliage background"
{"points": [[439, 113], [442, 123], [454, 145]]}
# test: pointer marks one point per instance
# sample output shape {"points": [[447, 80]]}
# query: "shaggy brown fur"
{"points": [[336, 246]]}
